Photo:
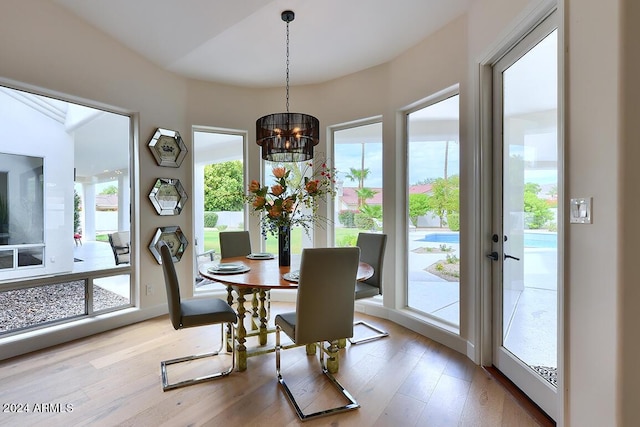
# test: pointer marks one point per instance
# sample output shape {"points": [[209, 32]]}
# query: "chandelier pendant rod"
{"points": [[287, 66]]}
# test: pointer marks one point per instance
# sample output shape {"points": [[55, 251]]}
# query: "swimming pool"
{"points": [[531, 239]]}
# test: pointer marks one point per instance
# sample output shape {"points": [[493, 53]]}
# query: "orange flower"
{"points": [[291, 202], [259, 202], [254, 186], [311, 187], [275, 211], [287, 204], [279, 172]]}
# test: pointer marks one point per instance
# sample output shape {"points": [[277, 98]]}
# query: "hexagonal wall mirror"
{"points": [[168, 148], [168, 196], [174, 238]]}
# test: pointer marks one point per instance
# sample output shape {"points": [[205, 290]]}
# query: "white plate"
{"points": [[239, 268], [227, 267], [261, 255], [292, 276]]}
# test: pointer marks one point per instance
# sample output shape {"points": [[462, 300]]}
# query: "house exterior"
{"points": [[44, 47], [348, 198]]}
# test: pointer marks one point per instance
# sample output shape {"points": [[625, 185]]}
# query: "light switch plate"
{"points": [[580, 210]]}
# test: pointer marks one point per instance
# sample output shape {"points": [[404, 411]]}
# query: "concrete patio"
{"points": [[531, 331]]}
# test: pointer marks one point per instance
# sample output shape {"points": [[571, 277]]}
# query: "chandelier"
{"points": [[287, 137]]}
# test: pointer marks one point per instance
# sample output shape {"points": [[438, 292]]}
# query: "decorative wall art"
{"points": [[168, 148], [168, 196], [174, 238]]}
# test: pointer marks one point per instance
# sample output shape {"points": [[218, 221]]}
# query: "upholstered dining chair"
{"points": [[234, 243], [372, 246], [238, 243], [324, 313], [191, 313]]}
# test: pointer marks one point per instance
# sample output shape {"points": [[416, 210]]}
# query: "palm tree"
{"points": [[359, 175], [364, 194]]}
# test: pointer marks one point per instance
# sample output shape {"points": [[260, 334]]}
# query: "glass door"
{"points": [[525, 240]]}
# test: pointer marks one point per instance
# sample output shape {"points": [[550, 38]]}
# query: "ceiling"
{"points": [[243, 42]]}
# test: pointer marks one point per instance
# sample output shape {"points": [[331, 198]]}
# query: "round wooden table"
{"points": [[264, 275]]}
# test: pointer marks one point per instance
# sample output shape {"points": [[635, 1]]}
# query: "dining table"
{"points": [[255, 274]]}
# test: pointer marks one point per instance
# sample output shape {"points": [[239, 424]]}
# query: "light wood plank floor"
{"points": [[113, 379]]}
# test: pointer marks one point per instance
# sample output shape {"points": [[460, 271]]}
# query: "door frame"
{"points": [[528, 20]]}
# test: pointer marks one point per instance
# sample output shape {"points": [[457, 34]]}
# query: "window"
{"points": [[21, 212], [218, 188], [358, 203], [433, 178], [64, 186]]}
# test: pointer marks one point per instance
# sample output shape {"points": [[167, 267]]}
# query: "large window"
{"points": [[358, 203], [433, 251], [64, 186]]}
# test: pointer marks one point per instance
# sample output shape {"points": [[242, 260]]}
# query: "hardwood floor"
{"points": [[114, 379]]}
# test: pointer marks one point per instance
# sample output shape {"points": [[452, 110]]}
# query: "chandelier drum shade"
{"points": [[287, 137]]}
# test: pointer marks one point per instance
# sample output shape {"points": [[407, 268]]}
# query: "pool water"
{"points": [[531, 240]]}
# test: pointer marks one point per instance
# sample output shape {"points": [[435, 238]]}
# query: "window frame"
{"points": [[432, 320]]}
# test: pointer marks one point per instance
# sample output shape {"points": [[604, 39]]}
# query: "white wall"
{"points": [[592, 275], [44, 46]]}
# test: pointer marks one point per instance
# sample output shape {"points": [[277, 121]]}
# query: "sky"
{"points": [[425, 161]]}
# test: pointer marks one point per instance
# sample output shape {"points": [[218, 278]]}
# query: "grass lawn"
{"points": [[344, 237]]}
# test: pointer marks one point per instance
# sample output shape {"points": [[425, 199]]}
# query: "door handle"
{"points": [[512, 257], [493, 255]]}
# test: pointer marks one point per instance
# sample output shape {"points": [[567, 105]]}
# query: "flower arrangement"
{"points": [[282, 204]]}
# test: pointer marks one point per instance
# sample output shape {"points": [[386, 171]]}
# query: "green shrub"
{"points": [[452, 259], [363, 221], [76, 211], [348, 240], [210, 219], [221, 227], [346, 218]]}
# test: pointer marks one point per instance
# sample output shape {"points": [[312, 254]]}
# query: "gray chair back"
{"points": [[326, 294], [234, 243], [372, 246], [172, 285]]}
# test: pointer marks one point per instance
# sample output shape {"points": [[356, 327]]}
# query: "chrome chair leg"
{"points": [[348, 407], [163, 365], [380, 333]]}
